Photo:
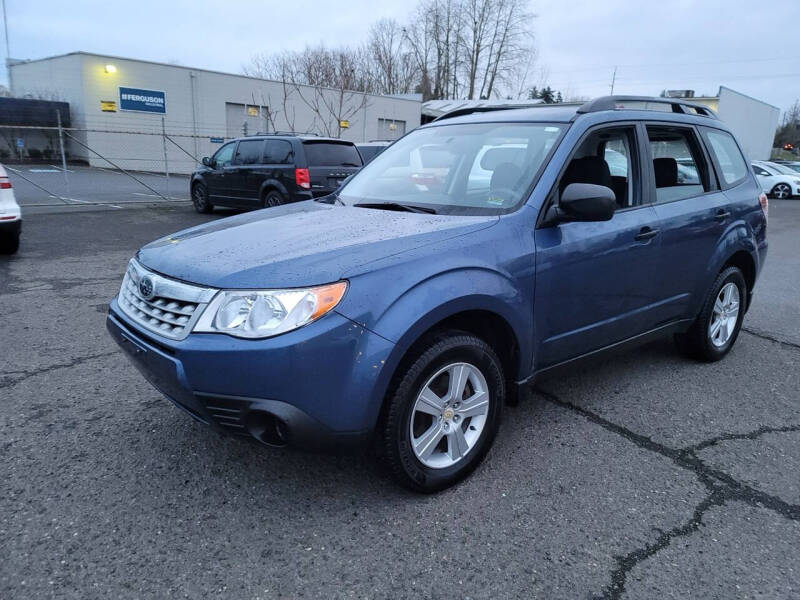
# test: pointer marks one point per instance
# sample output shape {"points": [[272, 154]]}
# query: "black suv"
{"points": [[269, 170]]}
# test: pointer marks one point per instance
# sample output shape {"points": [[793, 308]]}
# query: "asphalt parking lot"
{"points": [[47, 185], [644, 476]]}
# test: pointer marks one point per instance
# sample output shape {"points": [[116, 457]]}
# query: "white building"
{"points": [[752, 121], [117, 106]]}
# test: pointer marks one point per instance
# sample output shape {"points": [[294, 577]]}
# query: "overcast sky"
{"points": [[675, 44]]}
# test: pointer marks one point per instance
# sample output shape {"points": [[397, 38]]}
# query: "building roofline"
{"points": [[18, 62], [725, 87]]}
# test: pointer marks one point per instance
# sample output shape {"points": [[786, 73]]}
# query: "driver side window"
{"points": [[606, 157], [224, 155]]}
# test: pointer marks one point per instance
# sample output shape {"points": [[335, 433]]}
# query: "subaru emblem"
{"points": [[147, 288]]}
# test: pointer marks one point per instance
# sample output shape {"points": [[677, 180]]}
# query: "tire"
{"points": [[10, 244], [200, 199], [466, 432], [272, 198], [781, 191], [701, 342]]}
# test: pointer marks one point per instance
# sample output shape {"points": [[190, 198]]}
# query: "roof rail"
{"points": [[630, 102], [286, 133], [479, 109]]}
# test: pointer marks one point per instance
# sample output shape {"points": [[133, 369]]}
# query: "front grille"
{"points": [[170, 308]]}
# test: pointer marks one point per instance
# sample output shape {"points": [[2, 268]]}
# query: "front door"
{"points": [[594, 281], [247, 172], [218, 178]]}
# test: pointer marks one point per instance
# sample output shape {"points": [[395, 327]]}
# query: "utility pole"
{"points": [[613, 79], [8, 45]]}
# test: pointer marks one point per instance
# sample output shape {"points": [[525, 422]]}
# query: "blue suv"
{"points": [[475, 254]]}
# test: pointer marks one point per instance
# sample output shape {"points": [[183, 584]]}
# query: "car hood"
{"points": [[297, 245]]}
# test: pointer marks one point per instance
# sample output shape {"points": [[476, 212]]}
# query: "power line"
{"points": [[681, 64]]}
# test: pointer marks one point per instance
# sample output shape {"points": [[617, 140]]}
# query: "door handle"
{"points": [[722, 214], [645, 233]]}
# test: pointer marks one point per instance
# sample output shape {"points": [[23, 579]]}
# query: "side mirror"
{"points": [[206, 162], [583, 202]]}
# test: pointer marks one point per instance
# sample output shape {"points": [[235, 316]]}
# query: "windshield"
{"points": [[476, 168], [786, 170]]}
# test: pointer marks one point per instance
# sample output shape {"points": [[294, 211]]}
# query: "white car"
{"points": [[776, 180], [10, 216]]}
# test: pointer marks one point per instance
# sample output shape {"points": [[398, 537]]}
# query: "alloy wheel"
{"points": [[725, 315], [449, 415], [782, 191], [199, 197]]}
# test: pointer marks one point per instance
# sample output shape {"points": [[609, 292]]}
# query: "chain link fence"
{"points": [[74, 165]]}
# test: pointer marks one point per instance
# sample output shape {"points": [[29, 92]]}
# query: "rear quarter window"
{"points": [[729, 159], [331, 154]]}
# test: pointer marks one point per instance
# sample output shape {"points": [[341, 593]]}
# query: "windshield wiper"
{"points": [[349, 164], [331, 198], [397, 206]]}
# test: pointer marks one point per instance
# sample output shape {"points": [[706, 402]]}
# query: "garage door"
{"points": [[245, 119]]}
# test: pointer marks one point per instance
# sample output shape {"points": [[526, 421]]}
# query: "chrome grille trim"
{"points": [[172, 310]]}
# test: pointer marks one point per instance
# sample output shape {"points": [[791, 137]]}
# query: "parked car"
{"points": [[794, 166], [370, 150], [264, 171], [10, 216], [777, 180], [409, 307]]}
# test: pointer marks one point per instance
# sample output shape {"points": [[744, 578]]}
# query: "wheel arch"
{"points": [[483, 322], [745, 262], [272, 185]]}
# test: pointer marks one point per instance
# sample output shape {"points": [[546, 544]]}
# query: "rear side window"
{"points": [[679, 166], [729, 158], [248, 152], [331, 154], [278, 152]]}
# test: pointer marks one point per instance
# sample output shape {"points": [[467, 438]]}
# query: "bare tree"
{"points": [[448, 49], [331, 83], [390, 59]]}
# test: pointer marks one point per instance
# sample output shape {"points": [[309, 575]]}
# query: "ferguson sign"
{"points": [[150, 101]]}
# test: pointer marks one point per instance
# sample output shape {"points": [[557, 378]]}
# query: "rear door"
{"points": [[219, 177], [279, 167], [247, 172], [693, 214], [330, 163]]}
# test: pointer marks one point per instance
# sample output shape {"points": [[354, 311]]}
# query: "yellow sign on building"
{"points": [[344, 124], [108, 106]]}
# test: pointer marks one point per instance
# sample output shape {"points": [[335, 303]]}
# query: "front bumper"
{"points": [[318, 388]]}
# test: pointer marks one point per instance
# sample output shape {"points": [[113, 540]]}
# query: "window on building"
{"points": [[391, 129]]}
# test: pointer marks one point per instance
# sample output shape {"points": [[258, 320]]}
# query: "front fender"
{"points": [[438, 297]]}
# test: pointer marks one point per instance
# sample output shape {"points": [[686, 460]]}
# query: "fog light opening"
{"points": [[268, 429]]}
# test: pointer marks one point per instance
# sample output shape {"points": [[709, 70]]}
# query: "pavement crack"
{"points": [[722, 488], [771, 338], [750, 435], [6, 381], [626, 563]]}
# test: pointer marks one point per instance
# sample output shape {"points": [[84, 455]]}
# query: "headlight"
{"points": [[264, 313]]}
